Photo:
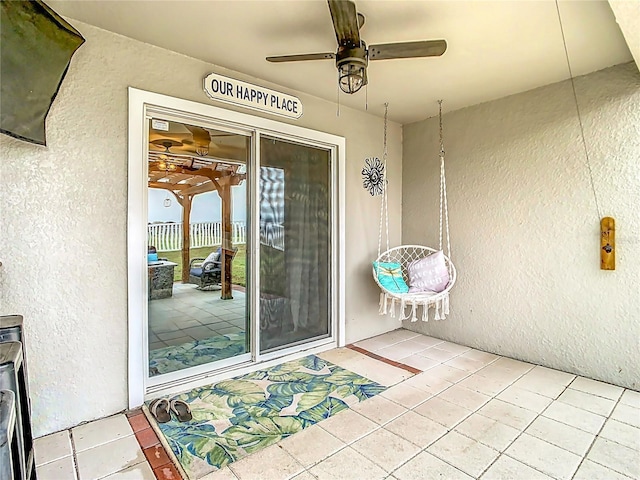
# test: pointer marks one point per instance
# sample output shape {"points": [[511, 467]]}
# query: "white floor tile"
{"points": [[141, 471], [592, 471], [551, 375], [499, 374], [401, 350], [506, 468], [488, 386], [302, 476], [438, 354], [594, 387], [466, 364], [630, 398], [340, 356], [427, 341], [480, 356], [561, 435], [488, 431], [386, 449], [443, 412], [540, 386], [382, 434], [62, 468], [345, 464], [406, 395], [464, 397], [543, 456], [448, 373], [271, 463], [419, 430], [52, 447], [512, 415], [453, 347], [101, 431], [377, 371], [379, 409], [513, 365], [576, 417], [420, 362], [626, 414], [227, 474], [616, 457], [586, 401], [525, 399], [463, 453], [373, 344], [399, 335], [428, 467], [348, 425], [109, 458], [621, 433], [427, 382], [311, 445]]}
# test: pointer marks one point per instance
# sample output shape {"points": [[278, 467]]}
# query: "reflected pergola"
{"points": [[194, 172]]}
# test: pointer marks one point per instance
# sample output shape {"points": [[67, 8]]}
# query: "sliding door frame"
{"points": [[140, 386]]}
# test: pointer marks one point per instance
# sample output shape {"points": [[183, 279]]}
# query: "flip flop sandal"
{"points": [[181, 410], [159, 408]]}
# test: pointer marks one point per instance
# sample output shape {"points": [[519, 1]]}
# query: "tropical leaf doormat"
{"points": [[236, 417]]}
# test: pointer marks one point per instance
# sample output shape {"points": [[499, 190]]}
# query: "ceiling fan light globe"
{"points": [[351, 77]]}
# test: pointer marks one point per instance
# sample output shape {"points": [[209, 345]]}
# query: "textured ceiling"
{"points": [[496, 48]]}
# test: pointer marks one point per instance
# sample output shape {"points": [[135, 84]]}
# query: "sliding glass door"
{"points": [[234, 240], [197, 246], [295, 243]]}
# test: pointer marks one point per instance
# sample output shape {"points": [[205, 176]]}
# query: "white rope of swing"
{"points": [[384, 203], [444, 209]]}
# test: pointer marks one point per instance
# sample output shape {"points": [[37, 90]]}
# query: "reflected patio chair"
{"points": [[207, 272]]}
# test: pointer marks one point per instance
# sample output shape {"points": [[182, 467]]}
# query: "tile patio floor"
{"points": [[192, 314], [469, 414]]}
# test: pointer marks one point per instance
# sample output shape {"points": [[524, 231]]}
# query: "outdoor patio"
{"points": [[192, 314], [467, 414]]}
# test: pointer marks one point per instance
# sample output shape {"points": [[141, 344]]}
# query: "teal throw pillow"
{"points": [[390, 276]]}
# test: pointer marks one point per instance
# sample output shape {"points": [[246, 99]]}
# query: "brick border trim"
{"points": [[155, 453], [388, 361]]}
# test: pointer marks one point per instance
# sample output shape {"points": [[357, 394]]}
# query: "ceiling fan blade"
{"points": [[427, 48], [302, 57], [345, 22]]}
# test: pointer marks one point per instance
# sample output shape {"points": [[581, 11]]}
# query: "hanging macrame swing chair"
{"points": [[414, 276]]}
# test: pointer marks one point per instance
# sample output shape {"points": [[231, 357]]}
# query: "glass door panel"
{"points": [[295, 243], [197, 244]]}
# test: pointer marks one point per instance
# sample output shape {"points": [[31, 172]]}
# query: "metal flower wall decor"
{"points": [[373, 176]]}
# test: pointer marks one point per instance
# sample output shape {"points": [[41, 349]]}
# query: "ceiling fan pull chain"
{"points": [[366, 98]]}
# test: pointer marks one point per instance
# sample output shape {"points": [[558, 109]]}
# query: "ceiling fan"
{"points": [[353, 55]]}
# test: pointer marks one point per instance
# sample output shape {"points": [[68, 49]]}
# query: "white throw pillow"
{"points": [[429, 274], [213, 257]]}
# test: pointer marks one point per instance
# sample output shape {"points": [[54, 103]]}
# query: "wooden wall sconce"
{"points": [[607, 244]]}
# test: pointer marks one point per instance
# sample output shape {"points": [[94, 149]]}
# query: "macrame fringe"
{"points": [[388, 306]]}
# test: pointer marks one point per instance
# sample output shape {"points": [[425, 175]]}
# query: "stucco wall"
{"points": [[64, 214], [524, 225]]}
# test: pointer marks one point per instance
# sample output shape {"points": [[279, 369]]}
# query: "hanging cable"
{"points": [[575, 98]]}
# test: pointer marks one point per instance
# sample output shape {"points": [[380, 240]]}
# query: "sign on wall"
{"points": [[229, 90]]}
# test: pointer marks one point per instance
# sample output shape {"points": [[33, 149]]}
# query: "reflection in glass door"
{"points": [[295, 246], [197, 246]]}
